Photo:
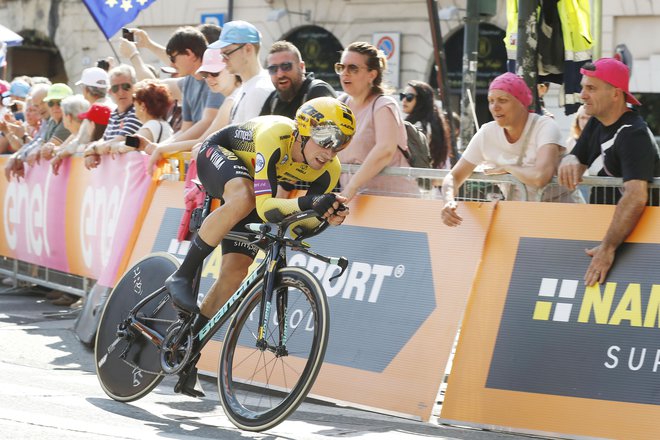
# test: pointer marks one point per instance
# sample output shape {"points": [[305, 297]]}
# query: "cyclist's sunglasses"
{"points": [[330, 136], [207, 74], [407, 96], [54, 102], [124, 86], [273, 68]]}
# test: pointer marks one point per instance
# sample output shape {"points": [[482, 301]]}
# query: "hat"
{"points": [[4, 86], [613, 72], [514, 86], [236, 32], [94, 77], [97, 113], [58, 91], [19, 88], [212, 62]]}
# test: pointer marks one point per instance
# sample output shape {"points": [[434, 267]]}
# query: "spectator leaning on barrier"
{"points": [[56, 132], [523, 144], [293, 85], [240, 42], [380, 129], [71, 108], [615, 142], [123, 121]]}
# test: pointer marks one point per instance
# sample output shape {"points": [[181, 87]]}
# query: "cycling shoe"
{"points": [[181, 290], [189, 385]]}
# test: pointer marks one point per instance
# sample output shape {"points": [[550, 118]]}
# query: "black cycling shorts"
{"points": [[215, 167]]}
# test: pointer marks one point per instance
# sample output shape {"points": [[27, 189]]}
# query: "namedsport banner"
{"points": [[541, 352]]}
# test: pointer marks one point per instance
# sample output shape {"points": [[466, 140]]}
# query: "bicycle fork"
{"points": [[281, 301]]}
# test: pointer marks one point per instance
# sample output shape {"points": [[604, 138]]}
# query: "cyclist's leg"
{"points": [[236, 259], [224, 176]]}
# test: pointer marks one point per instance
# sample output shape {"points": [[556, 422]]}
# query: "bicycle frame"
{"points": [[275, 258]]}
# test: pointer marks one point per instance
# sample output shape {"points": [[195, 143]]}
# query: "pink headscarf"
{"points": [[514, 86]]}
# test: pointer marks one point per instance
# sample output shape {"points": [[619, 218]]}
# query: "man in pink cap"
{"points": [[615, 142], [517, 142]]}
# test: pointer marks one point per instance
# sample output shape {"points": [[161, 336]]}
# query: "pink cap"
{"points": [[212, 61], [4, 86], [612, 72], [514, 86]]}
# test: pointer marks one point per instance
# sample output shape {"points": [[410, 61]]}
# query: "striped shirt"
{"points": [[122, 124]]}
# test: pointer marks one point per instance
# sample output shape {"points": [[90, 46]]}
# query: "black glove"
{"points": [[320, 204]]}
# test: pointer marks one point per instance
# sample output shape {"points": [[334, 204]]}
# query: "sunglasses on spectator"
{"points": [[173, 57], [207, 74], [124, 86], [285, 67], [407, 96], [352, 68], [53, 102], [226, 55]]}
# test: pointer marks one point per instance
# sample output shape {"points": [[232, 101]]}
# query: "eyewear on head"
{"points": [[124, 86], [329, 136], [285, 67], [407, 96], [226, 55], [352, 68]]}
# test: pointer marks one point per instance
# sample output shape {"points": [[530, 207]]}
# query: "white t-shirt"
{"points": [[160, 130], [250, 98], [489, 146]]}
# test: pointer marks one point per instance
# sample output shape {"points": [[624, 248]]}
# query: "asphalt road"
{"points": [[49, 390]]}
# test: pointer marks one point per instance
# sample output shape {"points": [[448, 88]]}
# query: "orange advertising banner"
{"points": [[539, 351], [396, 310]]}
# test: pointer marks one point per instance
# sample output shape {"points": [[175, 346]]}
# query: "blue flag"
{"points": [[112, 15]]}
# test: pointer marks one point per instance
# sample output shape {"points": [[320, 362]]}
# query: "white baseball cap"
{"points": [[95, 77]]}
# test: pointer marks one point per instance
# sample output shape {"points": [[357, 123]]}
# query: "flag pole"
{"points": [[113, 49]]}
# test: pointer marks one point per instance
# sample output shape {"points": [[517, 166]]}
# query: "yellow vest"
{"points": [[575, 16]]}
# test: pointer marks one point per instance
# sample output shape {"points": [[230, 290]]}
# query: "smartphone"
{"points": [[127, 34], [132, 141]]}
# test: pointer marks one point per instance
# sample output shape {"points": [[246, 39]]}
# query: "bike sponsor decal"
{"points": [[558, 336]]}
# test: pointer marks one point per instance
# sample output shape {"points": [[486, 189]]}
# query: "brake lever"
{"points": [[342, 262]]}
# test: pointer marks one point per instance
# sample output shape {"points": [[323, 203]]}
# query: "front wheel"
{"points": [[262, 382]]}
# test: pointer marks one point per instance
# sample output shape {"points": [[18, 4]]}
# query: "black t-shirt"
{"points": [[625, 149], [310, 89]]}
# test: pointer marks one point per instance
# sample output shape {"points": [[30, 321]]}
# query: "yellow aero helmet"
{"points": [[327, 121]]}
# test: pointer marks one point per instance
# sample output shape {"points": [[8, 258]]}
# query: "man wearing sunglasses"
{"points": [[616, 142], [123, 121], [240, 42], [244, 165], [293, 86]]}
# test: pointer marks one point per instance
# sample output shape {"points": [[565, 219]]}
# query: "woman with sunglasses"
{"points": [[245, 166], [379, 129], [418, 102]]}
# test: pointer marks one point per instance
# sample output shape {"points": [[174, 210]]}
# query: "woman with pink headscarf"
{"points": [[526, 145]]}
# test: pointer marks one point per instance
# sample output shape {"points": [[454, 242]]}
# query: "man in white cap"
{"points": [[240, 42], [95, 84], [616, 142]]}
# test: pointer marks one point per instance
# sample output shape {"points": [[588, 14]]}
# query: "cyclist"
{"points": [[252, 167]]}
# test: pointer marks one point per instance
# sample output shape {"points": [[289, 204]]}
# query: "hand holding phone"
{"points": [[132, 141], [125, 33]]}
